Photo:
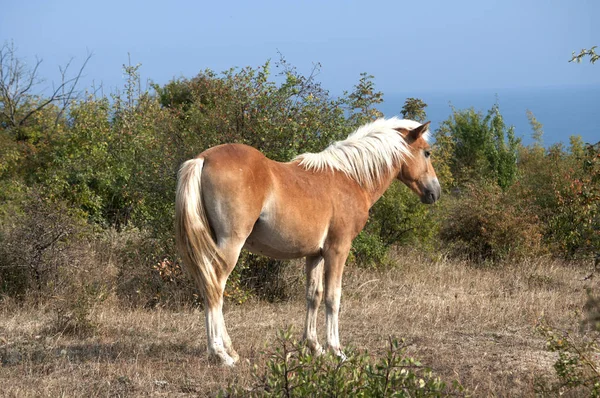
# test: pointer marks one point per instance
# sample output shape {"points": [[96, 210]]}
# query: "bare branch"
{"points": [[17, 82], [68, 95]]}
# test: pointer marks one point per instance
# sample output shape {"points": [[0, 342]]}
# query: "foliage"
{"points": [[486, 224], [577, 366], [361, 102], [292, 371], [414, 109], [399, 217], [478, 147], [538, 131], [262, 277], [37, 245], [591, 53], [107, 165], [244, 106], [576, 226], [368, 249]]}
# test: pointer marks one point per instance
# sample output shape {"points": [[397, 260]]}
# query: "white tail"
{"points": [[200, 254]]}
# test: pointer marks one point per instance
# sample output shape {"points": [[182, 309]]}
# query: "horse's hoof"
{"points": [[318, 350], [314, 347], [340, 354], [221, 359], [234, 355]]}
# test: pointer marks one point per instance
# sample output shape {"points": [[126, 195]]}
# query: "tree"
{"points": [[414, 109], [18, 103], [538, 130], [361, 101], [479, 147]]}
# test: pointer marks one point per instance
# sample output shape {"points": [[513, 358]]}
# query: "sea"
{"points": [[563, 111]]}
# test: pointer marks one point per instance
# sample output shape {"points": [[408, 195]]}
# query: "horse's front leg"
{"points": [[335, 259], [314, 293]]}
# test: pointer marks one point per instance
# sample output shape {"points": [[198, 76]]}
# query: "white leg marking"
{"points": [[214, 328], [332, 315], [314, 293]]}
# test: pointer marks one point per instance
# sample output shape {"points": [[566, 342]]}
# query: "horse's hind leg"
{"points": [[314, 293], [215, 333], [233, 204], [220, 348]]}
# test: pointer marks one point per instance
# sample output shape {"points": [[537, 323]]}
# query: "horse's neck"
{"points": [[382, 186]]}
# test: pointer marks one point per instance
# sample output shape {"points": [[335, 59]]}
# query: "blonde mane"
{"points": [[368, 154]]}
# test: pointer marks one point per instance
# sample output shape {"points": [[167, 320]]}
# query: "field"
{"points": [[474, 325]]}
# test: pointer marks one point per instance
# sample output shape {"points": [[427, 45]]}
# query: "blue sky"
{"points": [[415, 46]]}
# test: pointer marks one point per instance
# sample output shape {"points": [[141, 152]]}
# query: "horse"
{"points": [[231, 197]]}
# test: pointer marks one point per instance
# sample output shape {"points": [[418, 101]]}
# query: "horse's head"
{"points": [[417, 172]]}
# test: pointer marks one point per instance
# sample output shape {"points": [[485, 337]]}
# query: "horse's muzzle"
{"points": [[431, 192]]}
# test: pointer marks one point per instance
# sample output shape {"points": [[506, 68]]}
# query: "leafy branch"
{"points": [[591, 53]]}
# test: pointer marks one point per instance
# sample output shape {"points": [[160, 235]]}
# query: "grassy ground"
{"points": [[475, 325]]}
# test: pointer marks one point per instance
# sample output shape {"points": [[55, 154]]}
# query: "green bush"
{"points": [[577, 367], [368, 250], [112, 162], [292, 371], [478, 147], [399, 217]]}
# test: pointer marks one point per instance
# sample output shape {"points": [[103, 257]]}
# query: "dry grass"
{"points": [[473, 325]]}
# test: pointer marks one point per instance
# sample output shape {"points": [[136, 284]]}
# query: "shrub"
{"points": [[73, 308], [38, 245], [399, 217], [148, 273], [261, 277], [368, 250], [486, 224], [292, 371], [478, 147], [575, 226], [577, 366]]}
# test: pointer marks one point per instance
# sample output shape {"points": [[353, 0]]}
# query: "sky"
{"points": [[409, 46]]}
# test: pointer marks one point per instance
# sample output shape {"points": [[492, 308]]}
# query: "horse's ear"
{"points": [[417, 132]]}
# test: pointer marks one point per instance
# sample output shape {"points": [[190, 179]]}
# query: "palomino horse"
{"points": [[232, 197]]}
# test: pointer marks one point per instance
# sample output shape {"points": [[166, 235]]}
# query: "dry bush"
{"points": [[264, 278], [37, 246], [487, 224], [148, 273], [48, 258]]}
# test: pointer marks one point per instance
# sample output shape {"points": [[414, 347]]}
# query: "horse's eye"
{"points": [[427, 154]]}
